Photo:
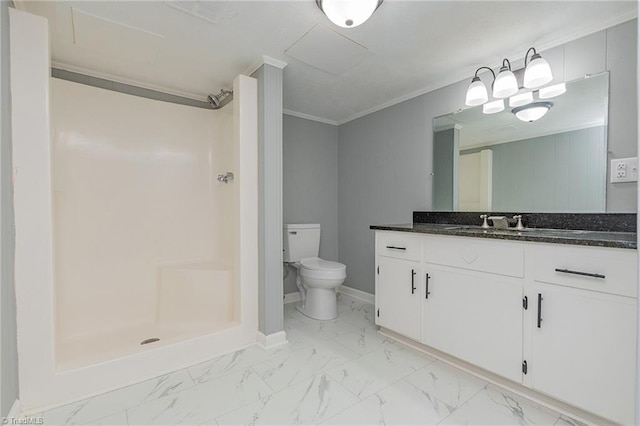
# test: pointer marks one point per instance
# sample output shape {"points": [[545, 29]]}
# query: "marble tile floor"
{"points": [[339, 372]]}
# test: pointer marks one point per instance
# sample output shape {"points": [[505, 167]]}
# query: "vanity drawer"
{"points": [[399, 245], [476, 254], [606, 270]]}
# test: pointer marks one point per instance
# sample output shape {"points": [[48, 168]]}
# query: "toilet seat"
{"points": [[314, 267]]}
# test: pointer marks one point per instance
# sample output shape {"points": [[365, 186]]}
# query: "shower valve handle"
{"points": [[225, 178]]}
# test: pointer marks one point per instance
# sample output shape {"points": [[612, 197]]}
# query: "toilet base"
{"points": [[320, 304]]}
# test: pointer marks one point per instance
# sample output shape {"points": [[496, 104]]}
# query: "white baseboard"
{"points": [[16, 410], [292, 297], [272, 340], [363, 296], [357, 294]]}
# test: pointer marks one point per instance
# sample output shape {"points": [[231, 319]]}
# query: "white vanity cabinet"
{"points": [[583, 337], [559, 319], [398, 270], [472, 304]]}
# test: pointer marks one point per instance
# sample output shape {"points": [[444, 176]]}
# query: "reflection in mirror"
{"points": [[496, 162]]}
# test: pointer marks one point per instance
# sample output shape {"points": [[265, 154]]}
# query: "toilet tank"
{"points": [[300, 241]]}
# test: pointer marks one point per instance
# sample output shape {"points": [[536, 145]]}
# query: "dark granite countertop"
{"points": [[627, 240]]}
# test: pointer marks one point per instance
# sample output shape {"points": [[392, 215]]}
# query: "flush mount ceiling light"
{"points": [[505, 83], [537, 72], [348, 13], [532, 112]]}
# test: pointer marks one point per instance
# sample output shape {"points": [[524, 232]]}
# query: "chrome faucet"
{"points": [[499, 222]]}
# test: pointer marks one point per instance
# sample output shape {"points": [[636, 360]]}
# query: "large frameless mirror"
{"points": [[496, 162]]}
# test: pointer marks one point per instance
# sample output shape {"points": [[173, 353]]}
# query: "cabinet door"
{"points": [[475, 317], [398, 296], [583, 352]]}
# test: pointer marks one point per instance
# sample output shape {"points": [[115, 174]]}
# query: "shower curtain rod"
{"points": [[126, 88]]}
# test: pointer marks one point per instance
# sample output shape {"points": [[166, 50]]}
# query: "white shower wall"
{"points": [[111, 242], [142, 228]]}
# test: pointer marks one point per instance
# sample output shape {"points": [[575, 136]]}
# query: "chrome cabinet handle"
{"points": [[413, 287], [539, 309], [584, 274], [426, 287]]}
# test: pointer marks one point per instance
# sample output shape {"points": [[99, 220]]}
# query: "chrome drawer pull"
{"points": [[539, 309], [426, 287], [585, 274], [396, 248]]}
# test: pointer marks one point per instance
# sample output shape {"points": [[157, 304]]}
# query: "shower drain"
{"points": [[151, 340]]}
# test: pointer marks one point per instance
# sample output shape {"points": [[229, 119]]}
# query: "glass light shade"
{"points": [[532, 112], [476, 93], [493, 107], [552, 91], [521, 99], [537, 73], [348, 13], [505, 84]]}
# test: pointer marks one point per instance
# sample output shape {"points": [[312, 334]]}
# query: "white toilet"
{"points": [[317, 278]]}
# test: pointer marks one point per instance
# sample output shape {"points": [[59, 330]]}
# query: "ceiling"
{"points": [[405, 49]]}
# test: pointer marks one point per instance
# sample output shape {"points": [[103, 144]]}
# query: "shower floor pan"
{"points": [[109, 345], [193, 300]]}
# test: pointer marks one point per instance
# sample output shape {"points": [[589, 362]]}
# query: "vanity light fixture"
{"points": [[552, 91], [532, 112], [537, 72], [493, 107], [521, 99], [505, 83], [477, 91], [348, 13]]}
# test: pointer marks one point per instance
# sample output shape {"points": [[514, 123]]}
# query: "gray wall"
{"points": [[310, 182], [385, 158], [8, 339], [270, 291], [622, 62], [384, 167], [563, 172]]}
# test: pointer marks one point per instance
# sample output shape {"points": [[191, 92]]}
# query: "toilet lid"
{"points": [[315, 263]]}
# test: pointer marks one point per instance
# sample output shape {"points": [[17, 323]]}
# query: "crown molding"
{"points": [[309, 117], [274, 62], [268, 60]]}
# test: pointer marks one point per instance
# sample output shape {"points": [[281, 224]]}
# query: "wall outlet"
{"points": [[624, 170]]}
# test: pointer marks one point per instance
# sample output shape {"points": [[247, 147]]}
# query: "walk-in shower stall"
{"points": [[132, 257]]}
